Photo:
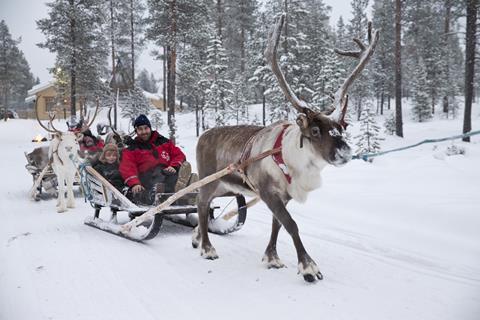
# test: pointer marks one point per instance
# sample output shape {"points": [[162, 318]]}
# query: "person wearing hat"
{"points": [[150, 163]]}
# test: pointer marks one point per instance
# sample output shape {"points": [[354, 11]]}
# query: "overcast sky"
{"points": [[20, 16]]}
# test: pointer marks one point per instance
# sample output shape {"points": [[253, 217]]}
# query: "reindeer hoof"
{"points": [[60, 209], [209, 254], [309, 270], [273, 262]]}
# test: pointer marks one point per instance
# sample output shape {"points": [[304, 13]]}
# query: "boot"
{"points": [[184, 173]]}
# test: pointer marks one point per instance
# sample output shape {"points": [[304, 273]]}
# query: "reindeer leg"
{"points": [[306, 266], [271, 256], [205, 197], [61, 195], [70, 197]]}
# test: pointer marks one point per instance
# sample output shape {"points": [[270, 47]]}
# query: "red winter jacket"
{"points": [[142, 156]]}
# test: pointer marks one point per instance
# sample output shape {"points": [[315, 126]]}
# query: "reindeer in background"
{"points": [[306, 147], [63, 157]]}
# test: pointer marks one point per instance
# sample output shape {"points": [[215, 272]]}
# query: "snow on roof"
{"points": [[39, 87], [152, 95]]}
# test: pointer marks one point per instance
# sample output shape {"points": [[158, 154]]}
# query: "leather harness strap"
{"points": [[277, 157], [276, 154]]}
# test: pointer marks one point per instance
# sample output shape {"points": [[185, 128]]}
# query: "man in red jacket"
{"points": [[150, 163]]}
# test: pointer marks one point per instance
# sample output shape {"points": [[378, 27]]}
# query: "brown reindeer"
{"points": [[307, 146]]}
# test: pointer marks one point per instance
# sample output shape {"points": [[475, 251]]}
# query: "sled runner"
{"points": [[146, 221]]}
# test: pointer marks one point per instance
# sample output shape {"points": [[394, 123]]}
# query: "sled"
{"points": [[45, 184], [145, 221]]}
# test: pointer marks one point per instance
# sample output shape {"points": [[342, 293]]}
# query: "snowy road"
{"points": [[395, 239]]}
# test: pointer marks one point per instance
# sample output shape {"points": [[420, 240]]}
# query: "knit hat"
{"points": [[109, 147], [142, 120]]}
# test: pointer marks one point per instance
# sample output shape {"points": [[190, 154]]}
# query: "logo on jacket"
{"points": [[165, 156]]}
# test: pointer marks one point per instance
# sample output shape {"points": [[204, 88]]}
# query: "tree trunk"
{"points": [[197, 118], [164, 78], [382, 97], [448, 7], [469, 65], [171, 68], [398, 70], [132, 43], [73, 62], [219, 18]]}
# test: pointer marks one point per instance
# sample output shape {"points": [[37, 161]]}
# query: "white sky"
{"points": [[20, 16]]}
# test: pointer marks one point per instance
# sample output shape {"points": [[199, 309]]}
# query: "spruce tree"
{"points": [[368, 141], [218, 88], [421, 110], [15, 76], [74, 32]]}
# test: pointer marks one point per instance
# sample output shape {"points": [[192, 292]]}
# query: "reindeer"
{"points": [[307, 146], [63, 157]]}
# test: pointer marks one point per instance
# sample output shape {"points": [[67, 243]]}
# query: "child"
{"points": [[108, 166]]}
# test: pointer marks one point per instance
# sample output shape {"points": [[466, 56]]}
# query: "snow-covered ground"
{"points": [[398, 238]]}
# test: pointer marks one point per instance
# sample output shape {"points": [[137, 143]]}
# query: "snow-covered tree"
{"points": [[75, 32], [383, 61], [389, 124], [218, 88], [368, 141], [147, 81], [15, 76], [126, 25], [329, 79], [421, 110], [361, 89]]}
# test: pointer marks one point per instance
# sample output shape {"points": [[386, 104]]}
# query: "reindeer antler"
{"points": [[271, 57], [51, 120], [364, 55], [85, 128]]}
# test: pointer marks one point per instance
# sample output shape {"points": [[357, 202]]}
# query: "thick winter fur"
{"points": [[64, 151], [323, 143]]}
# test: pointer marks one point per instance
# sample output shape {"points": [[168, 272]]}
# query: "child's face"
{"points": [[110, 157]]}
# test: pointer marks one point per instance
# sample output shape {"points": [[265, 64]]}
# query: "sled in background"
{"points": [[100, 193], [44, 179]]}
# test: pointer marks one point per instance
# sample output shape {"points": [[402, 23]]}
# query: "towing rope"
{"points": [[366, 156]]}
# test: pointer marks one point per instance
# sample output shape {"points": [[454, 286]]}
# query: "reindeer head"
{"points": [[66, 143], [324, 130]]}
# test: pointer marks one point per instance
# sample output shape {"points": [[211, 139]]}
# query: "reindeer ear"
{"points": [[302, 121], [79, 136]]}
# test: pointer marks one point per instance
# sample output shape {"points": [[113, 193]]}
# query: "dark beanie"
{"points": [[142, 120]]}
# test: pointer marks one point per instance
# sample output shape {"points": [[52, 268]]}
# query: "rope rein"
{"points": [[366, 156]]}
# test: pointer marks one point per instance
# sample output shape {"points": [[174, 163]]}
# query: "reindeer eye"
{"points": [[315, 131]]}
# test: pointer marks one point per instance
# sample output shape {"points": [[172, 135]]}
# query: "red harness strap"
{"points": [[277, 157]]}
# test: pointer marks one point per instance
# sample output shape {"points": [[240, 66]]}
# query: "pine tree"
{"points": [[126, 24], [368, 141], [219, 88], [361, 89], [389, 124], [328, 81], [15, 76], [74, 32], [171, 23], [384, 58], [421, 110]]}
